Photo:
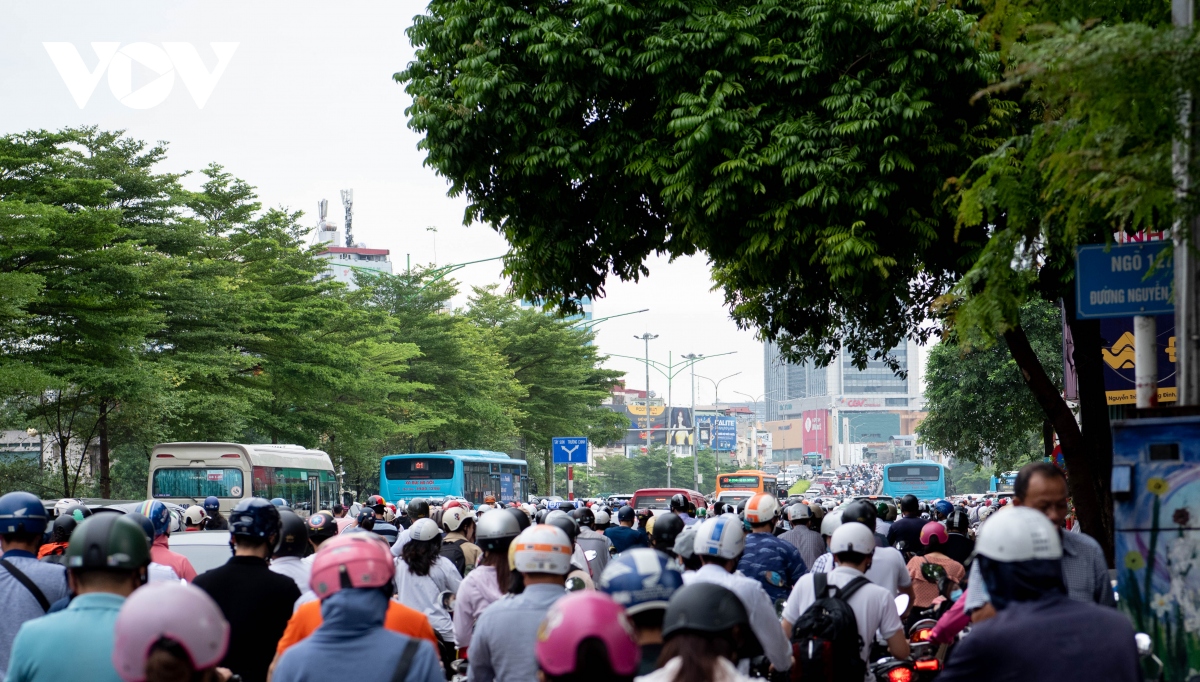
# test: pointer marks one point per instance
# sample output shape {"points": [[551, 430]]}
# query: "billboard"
{"points": [[726, 433], [1118, 350], [816, 431], [635, 434], [680, 425]]}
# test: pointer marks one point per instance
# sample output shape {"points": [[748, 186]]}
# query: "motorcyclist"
{"points": [[624, 535], [353, 576], [106, 562], [321, 527], [491, 578], [907, 528], [417, 509], [287, 558], [643, 580], [803, 536], [603, 519], [773, 562], [720, 543], [585, 637], [933, 539], [942, 510], [596, 547], [707, 629], [194, 518], [212, 508], [152, 643], [882, 525], [383, 528], [458, 545], [664, 530], [887, 568], [680, 505], [959, 545], [580, 570], [255, 600], [155, 572], [60, 536], [422, 575], [508, 629], [685, 550], [160, 550], [1019, 552]]}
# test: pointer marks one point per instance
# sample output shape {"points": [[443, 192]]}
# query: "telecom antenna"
{"points": [[348, 202]]}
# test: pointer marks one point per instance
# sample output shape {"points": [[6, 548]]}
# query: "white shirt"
{"points": [[888, 569], [763, 620], [294, 568], [160, 573], [401, 540], [725, 672], [873, 607], [423, 593]]}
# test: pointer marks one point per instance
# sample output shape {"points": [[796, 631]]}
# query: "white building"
{"points": [[344, 261]]}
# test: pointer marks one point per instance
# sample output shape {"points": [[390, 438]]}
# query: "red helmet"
{"points": [[934, 529]]}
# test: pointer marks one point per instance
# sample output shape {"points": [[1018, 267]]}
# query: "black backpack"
{"points": [[825, 639], [453, 551]]}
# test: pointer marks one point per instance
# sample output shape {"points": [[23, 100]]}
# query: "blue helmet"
{"points": [[211, 503], [158, 514], [279, 502], [640, 580], [22, 512], [254, 518], [943, 507], [366, 518]]}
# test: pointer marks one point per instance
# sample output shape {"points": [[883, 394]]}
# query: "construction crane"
{"points": [[348, 202]]}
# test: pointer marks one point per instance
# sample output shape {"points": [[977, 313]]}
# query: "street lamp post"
{"points": [[694, 358], [648, 337], [754, 417], [717, 404]]}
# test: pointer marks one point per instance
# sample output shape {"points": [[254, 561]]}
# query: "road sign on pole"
{"points": [[1111, 281], [569, 450]]}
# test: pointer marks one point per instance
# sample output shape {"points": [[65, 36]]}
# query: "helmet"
{"points": [[279, 502], [958, 521], [891, 513], [321, 526], [563, 521], [799, 512], [943, 507], [158, 514], [152, 613], [666, 528], [293, 534], [63, 505], [194, 515], [424, 530], [211, 503], [566, 505], [1016, 534], [357, 560], [418, 508], [583, 516], [454, 517], [522, 519], [704, 607], [909, 503], [641, 579], [254, 518], [831, 522], [625, 514], [542, 549], [489, 499], [762, 508], [985, 512], [852, 537], [366, 518], [720, 536], [146, 525], [485, 508], [77, 511], [22, 512], [881, 510], [376, 502], [602, 518], [592, 615], [679, 501], [649, 526], [934, 530], [860, 511], [108, 541], [818, 512], [63, 527], [685, 543], [495, 531]]}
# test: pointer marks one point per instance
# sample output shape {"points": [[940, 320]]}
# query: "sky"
{"points": [[306, 106]]}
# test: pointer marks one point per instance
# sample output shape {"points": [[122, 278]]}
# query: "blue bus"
{"points": [[473, 474], [921, 477], [1003, 483]]}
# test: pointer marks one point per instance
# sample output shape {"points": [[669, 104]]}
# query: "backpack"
{"points": [[825, 639], [453, 551]]}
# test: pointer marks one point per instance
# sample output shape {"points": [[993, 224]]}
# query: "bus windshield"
{"points": [[921, 472], [418, 468], [197, 483]]}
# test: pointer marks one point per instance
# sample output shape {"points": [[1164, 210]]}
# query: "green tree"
{"points": [[970, 478]]}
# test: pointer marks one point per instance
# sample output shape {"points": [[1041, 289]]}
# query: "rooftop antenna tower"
{"points": [[348, 202], [326, 233]]}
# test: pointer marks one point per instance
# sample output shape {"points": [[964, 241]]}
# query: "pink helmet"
{"points": [[934, 529], [353, 560], [592, 614], [179, 612]]}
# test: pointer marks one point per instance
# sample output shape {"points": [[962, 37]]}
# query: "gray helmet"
{"points": [[495, 531], [708, 608], [799, 512], [565, 522]]}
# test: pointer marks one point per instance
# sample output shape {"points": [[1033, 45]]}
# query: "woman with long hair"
{"points": [[492, 577], [423, 575], [706, 630]]}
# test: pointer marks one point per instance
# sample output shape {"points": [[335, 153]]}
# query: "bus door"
{"points": [[314, 492]]}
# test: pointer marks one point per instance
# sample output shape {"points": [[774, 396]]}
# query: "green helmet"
{"points": [[108, 541]]}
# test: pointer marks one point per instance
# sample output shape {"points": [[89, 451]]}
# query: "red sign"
{"points": [[816, 431]]}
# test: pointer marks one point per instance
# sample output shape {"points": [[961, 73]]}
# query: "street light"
{"points": [[647, 338], [694, 358], [754, 429], [717, 404]]}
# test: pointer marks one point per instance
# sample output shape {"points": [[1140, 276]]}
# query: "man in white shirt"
{"points": [[719, 542], [874, 607], [887, 568]]}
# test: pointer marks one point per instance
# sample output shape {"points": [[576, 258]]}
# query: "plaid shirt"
{"points": [[1084, 571], [808, 542]]}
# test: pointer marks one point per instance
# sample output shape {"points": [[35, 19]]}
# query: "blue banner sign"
{"points": [[1115, 281]]}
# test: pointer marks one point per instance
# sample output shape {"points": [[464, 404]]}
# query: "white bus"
{"points": [[186, 473]]}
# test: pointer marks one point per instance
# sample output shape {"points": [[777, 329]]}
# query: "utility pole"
{"points": [[647, 338], [1187, 267], [694, 358]]}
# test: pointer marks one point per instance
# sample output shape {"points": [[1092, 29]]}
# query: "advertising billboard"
{"points": [[635, 434], [816, 431], [726, 433], [1117, 351]]}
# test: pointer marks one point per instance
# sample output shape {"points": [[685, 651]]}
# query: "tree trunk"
{"points": [[1048, 438], [105, 480], [1097, 436], [62, 461]]}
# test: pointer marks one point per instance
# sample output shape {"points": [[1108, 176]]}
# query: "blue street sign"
{"points": [[570, 450], [1112, 281]]}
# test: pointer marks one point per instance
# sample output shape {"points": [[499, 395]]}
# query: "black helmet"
{"points": [[584, 517], [666, 528], [62, 528], [910, 503], [495, 531], [254, 518], [861, 511], [625, 514], [679, 502], [366, 518], [520, 516], [293, 534], [566, 523], [418, 508], [709, 608], [958, 521], [540, 516], [321, 526], [146, 524], [106, 542], [77, 511]]}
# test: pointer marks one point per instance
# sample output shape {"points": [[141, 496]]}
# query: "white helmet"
{"points": [[602, 518], [424, 529], [762, 508], [721, 536], [484, 508], [828, 504], [985, 512], [1019, 534], [831, 522], [542, 549], [852, 537], [194, 515], [529, 509], [63, 505], [453, 518]]}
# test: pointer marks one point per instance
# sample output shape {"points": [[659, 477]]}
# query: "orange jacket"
{"points": [[400, 618]]}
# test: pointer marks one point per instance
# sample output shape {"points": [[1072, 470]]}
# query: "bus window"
{"points": [[293, 486], [437, 468], [477, 478], [909, 472], [197, 483]]}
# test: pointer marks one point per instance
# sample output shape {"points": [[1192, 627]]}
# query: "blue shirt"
{"points": [[19, 604], [774, 563], [624, 537], [505, 635], [73, 644]]}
